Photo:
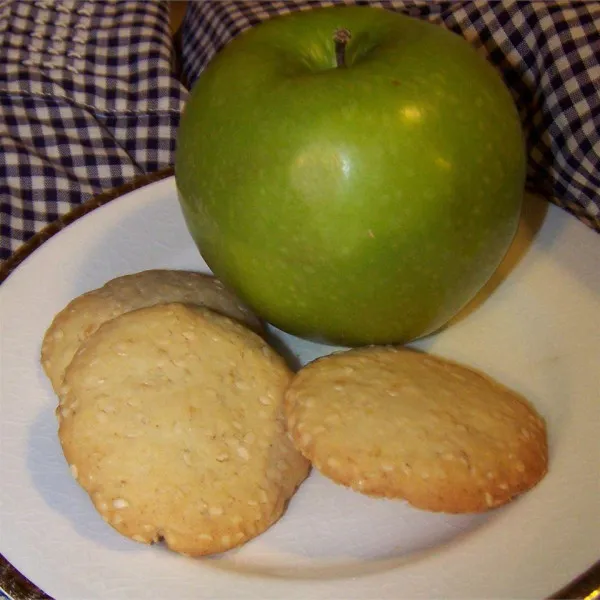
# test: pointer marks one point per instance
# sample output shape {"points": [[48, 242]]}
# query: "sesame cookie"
{"points": [[83, 315], [171, 418], [397, 423]]}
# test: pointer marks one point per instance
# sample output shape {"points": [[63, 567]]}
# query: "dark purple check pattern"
{"points": [[88, 101], [89, 97], [547, 52]]}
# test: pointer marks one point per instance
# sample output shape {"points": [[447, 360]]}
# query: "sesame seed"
{"points": [[503, 486], [120, 503], [222, 457], [252, 503], [239, 536], [116, 519], [348, 370], [64, 412], [205, 537], [249, 438], [243, 453], [73, 470], [215, 511], [305, 439], [281, 465], [241, 384], [189, 335], [333, 463], [489, 499], [264, 400], [139, 538], [457, 376], [490, 475], [263, 497], [186, 458], [520, 467], [318, 429], [388, 468], [236, 519], [226, 540], [332, 419]]}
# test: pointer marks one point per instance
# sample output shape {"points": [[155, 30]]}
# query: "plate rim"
{"points": [[13, 582]]}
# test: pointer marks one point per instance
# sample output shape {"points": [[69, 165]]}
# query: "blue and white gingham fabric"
{"points": [[89, 97], [88, 101]]}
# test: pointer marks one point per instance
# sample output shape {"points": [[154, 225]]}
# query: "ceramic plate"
{"points": [[535, 327]]}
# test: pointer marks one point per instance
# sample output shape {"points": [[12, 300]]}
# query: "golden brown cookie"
{"points": [[83, 315], [171, 418], [398, 423]]}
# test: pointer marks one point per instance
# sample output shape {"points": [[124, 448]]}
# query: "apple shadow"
{"points": [[51, 478], [279, 345], [533, 215]]}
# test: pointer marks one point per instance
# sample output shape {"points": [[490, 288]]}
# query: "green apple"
{"points": [[354, 174]]}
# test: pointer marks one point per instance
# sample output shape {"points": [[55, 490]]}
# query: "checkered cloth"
{"points": [[89, 97], [547, 52], [88, 101]]}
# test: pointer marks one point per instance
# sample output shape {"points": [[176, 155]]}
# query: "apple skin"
{"points": [[356, 204]]}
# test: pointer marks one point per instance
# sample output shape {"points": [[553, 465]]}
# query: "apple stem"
{"points": [[341, 38]]}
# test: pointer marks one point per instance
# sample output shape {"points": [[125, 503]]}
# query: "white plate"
{"points": [[538, 332]]}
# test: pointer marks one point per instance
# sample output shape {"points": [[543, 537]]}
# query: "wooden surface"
{"points": [[176, 12]]}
